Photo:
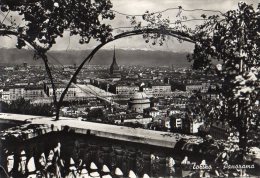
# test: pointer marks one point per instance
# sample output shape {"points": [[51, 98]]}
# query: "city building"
{"points": [[174, 110], [29, 92], [5, 95], [191, 124], [193, 87], [124, 89], [176, 121], [148, 91], [33, 92], [59, 89], [153, 112], [161, 89]]}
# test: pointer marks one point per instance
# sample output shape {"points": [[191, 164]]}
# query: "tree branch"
{"points": [[48, 70], [176, 34]]}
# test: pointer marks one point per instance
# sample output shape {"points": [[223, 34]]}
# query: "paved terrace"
{"points": [[137, 135]]}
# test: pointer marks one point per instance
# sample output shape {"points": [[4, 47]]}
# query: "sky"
{"points": [[137, 7]]}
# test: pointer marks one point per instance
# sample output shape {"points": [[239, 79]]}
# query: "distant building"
{"points": [[176, 121], [180, 101], [5, 95], [174, 110], [161, 89], [210, 95], [123, 89], [9, 68], [11, 93], [193, 87], [191, 125], [167, 123], [71, 93], [156, 89], [16, 92], [153, 112], [139, 102], [187, 85], [114, 68], [33, 92], [148, 91]]}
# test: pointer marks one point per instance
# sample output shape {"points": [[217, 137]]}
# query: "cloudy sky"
{"points": [[134, 7]]}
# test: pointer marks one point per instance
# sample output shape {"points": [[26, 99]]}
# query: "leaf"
{"points": [[203, 16]]}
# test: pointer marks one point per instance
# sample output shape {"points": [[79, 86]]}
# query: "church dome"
{"points": [[139, 101], [139, 95]]}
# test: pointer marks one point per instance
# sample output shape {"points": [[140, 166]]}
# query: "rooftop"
{"points": [[139, 95]]}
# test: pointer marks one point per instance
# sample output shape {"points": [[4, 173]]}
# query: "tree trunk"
{"points": [[243, 133], [57, 109], [243, 143], [48, 70]]}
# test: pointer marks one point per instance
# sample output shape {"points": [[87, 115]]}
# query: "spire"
{"points": [[114, 67], [114, 50], [114, 56]]}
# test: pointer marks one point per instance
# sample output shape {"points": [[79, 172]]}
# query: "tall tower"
{"points": [[114, 69]]}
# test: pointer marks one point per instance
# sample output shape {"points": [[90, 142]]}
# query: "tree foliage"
{"points": [[44, 21], [22, 106], [164, 27], [96, 114], [234, 41], [232, 38]]}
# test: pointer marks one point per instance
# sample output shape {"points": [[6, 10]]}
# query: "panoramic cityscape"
{"points": [[136, 108], [157, 98]]}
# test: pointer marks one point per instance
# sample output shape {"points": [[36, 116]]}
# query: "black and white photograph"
{"points": [[129, 89]]}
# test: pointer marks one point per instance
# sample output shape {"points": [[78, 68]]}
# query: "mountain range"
{"points": [[103, 57]]}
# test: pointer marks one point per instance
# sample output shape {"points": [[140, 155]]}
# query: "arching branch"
{"points": [[177, 34]]}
